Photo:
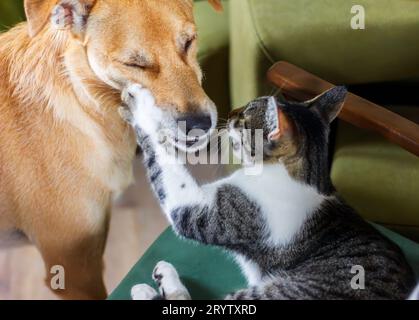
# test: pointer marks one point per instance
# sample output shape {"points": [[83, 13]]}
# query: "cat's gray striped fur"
{"points": [[291, 233]]}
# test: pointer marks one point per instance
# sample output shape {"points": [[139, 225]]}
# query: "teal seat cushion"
{"points": [[208, 272], [378, 178]]}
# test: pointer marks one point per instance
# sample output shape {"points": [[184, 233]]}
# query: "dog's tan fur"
{"points": [[64, 151]]}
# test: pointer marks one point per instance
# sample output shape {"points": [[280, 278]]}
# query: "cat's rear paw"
{"points": [[170, 285], [143, 292]]}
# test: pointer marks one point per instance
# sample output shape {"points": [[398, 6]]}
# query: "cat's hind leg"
{"points": [[246, 294], [143, 292], [169, 283]]}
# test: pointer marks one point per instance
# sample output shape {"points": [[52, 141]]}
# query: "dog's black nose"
{"points": [[202, 122]]}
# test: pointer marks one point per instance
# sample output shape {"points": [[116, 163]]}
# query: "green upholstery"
{"points": [[11, 11], [378, 178], [317, 36], [208, 272], [214, 45]]}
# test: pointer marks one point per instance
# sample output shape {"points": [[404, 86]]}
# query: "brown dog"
{"points": [[64, 151]]}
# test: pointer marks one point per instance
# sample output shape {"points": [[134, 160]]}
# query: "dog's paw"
{"points": [[143, 292], [169, 283]]}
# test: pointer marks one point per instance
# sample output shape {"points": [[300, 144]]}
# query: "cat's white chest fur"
{"points": [[285, 202]]}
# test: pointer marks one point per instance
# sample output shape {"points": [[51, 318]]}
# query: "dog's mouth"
{"points": [[190, 143]]}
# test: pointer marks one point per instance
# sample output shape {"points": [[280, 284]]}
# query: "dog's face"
{"points": [[151, 42]]}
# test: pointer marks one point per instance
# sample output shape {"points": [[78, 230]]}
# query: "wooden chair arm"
{"points": [[301, 85]]}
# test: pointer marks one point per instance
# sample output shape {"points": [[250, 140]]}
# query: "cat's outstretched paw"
{"points": [[142, 105], [126, 114], [138, 99], [143, 292], [170, 285]]}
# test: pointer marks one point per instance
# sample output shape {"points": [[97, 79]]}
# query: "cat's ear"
{"points": [[329, 104], [281, 125]]}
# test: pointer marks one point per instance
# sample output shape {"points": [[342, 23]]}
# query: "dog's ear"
{"points": [[63, 14], [37, 14], [217, 5]]}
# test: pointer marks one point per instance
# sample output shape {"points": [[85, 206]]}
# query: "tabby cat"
{"points": [[292, 235]]}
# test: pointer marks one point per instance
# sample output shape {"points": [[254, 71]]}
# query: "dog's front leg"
{"points": [[75, 249]]}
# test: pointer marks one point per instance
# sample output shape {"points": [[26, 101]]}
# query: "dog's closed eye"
{"points": [[136, 60], [135, 65], [188, 44]]}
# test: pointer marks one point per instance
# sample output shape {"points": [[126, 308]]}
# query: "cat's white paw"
{"points": [[170, 285], [61, 17], [70, 14], [143, 292], [141, 102]]}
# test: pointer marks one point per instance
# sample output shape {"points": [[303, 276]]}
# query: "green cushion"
{"points": [[378, 178], [316, 35], [214, 44], [208, 272], [11, 12]]}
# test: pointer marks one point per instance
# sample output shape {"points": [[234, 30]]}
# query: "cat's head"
{"points": [[292, 132]]}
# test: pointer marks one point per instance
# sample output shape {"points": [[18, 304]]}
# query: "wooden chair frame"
{"points": [[301, 85]]}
